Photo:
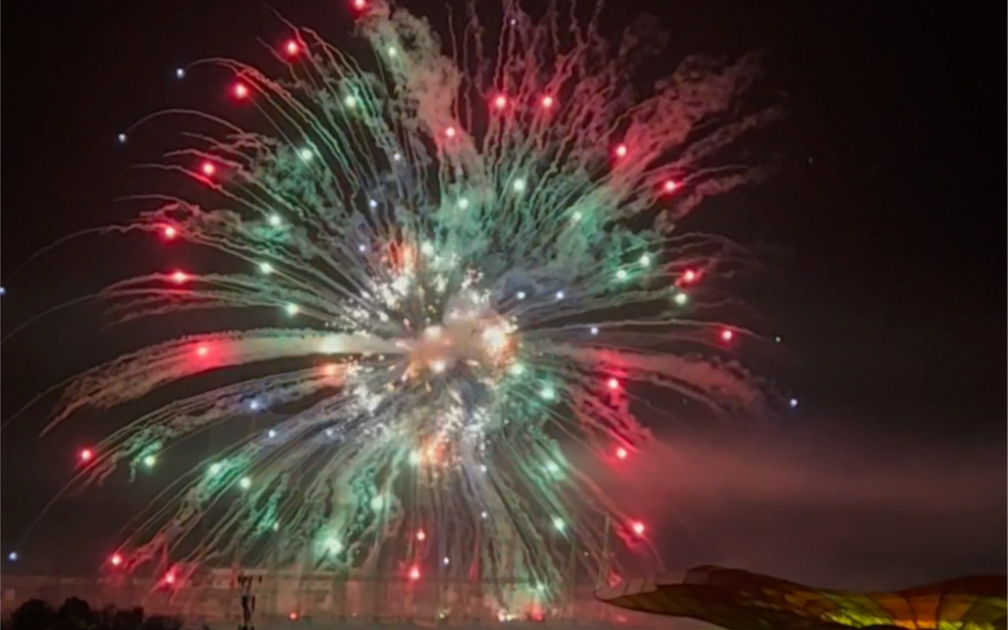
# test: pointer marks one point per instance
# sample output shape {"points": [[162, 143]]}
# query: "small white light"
{"points": [[519, 185], [362, 248], [463, 203], [645, 260], [793, 403], [372, 204], [329, 432], [306, 154], [350, 101], [495, 338], [254, 405], [483, 468], [292, 309], [271, 433], [520, 295], [621, 274], [12, 556], [392, 51], [559, 295], [397, 156], [681, 299], [275, 220], [594, 330], [484, 514], [266, 268], [179, 73], [121, 137], [438, 366], [446, 561], [577, 215]]}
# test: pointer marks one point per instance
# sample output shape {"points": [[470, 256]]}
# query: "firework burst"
{"points": [[473, 258]]}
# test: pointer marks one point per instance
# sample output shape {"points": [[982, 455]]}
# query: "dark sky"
{"points": [[889, 208]]}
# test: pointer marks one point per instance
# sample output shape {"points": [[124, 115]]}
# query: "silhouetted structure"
{"points": [[248, 600], [739, 600]]}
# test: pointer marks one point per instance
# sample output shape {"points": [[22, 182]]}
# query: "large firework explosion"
{"points": [[472, 260]]}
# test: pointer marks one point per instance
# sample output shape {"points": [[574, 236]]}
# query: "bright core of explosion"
{"points": [[472, 336]]}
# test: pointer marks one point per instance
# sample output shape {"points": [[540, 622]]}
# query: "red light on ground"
{"points": [[115, 560], [360, 5], [621, 151], [329, 369], [414, 574], [638, 528], [670, 186], [421, 535], [179, 277], [547, 102], [169, 577], [613, 383], [500, 102], [621, 453], [86, 454], [202, 351], [689, 276], [727, 335], [291, 48], [241, 90], [170, 232], [208, 168], [450, 132], [293, 616]]}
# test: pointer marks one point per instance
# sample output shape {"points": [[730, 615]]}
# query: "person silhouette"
{"points": [[248, 600]]}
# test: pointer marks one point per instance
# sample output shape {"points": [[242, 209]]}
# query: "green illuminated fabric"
{"points": [[739, 600]]}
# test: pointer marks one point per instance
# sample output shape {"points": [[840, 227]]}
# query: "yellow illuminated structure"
{"points": [[740, 600]]}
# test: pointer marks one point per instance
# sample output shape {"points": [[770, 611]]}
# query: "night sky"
{"points": [[883, 227]]}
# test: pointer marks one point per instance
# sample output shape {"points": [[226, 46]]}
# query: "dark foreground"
{"points": [[77, 614]]}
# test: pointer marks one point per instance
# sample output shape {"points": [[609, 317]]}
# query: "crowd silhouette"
{"points": [[77, 614]]}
